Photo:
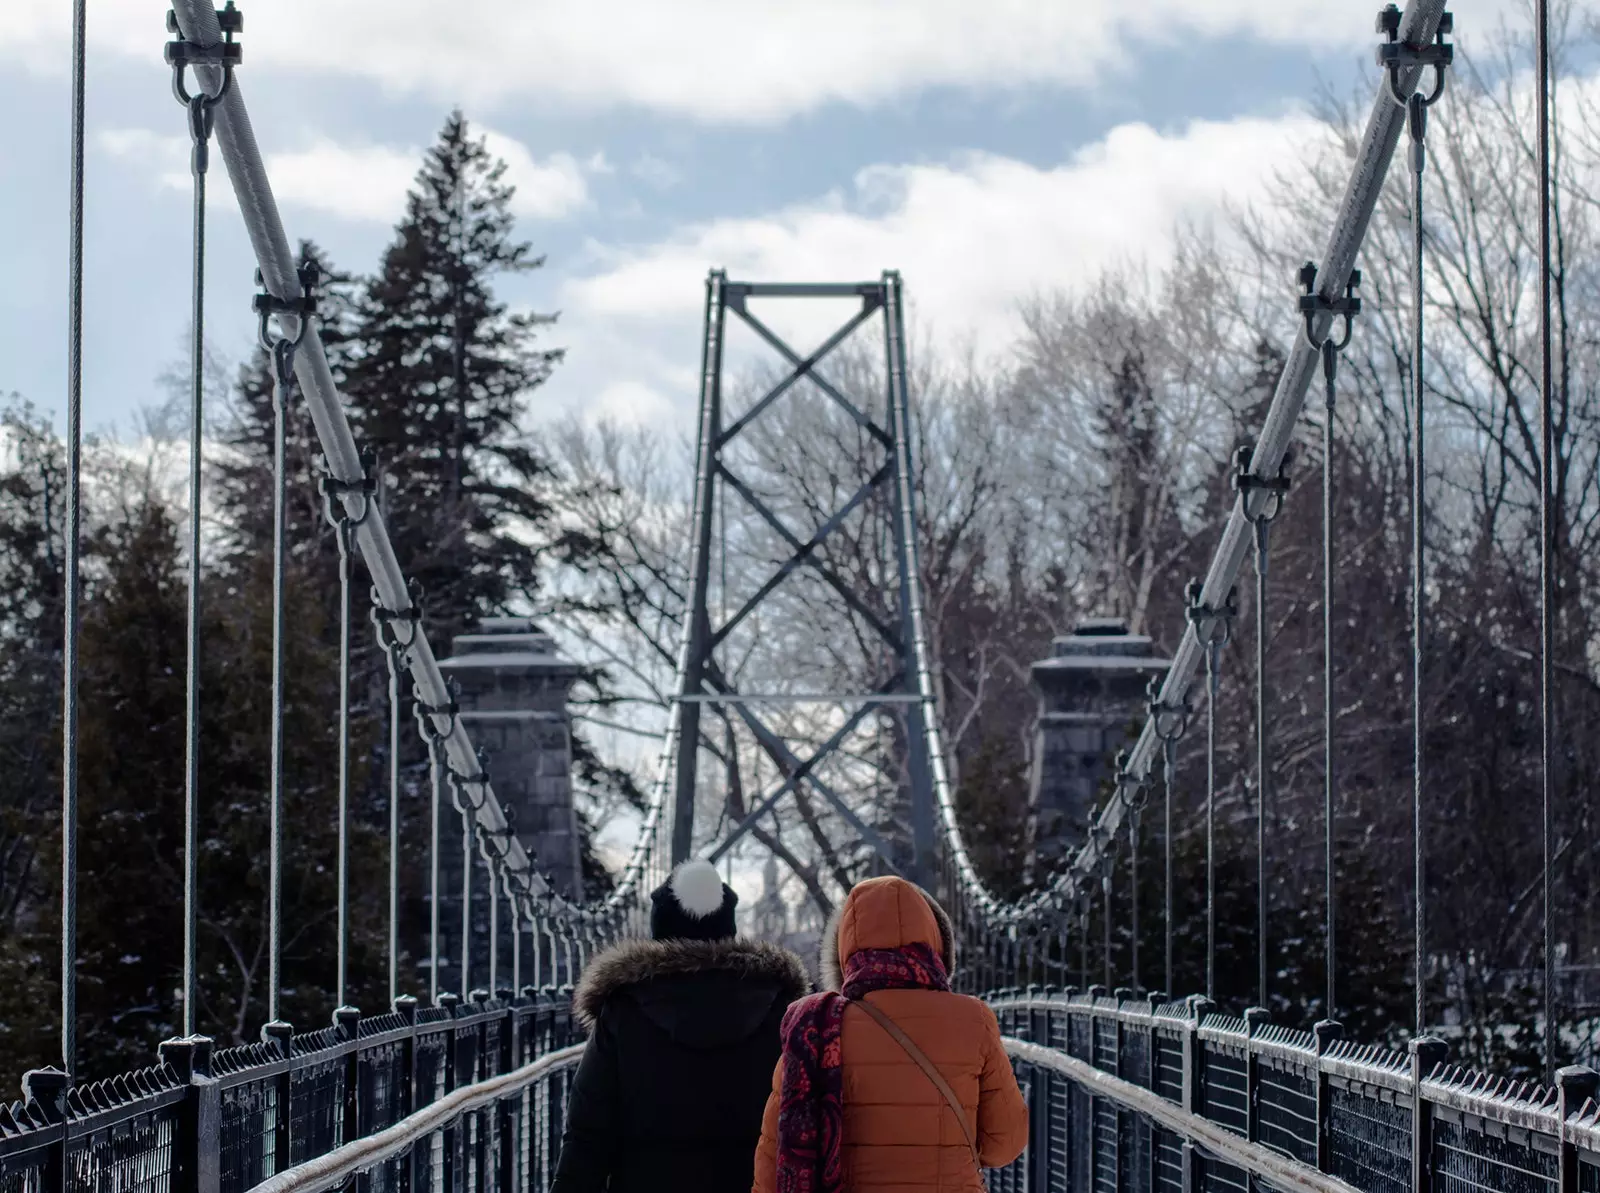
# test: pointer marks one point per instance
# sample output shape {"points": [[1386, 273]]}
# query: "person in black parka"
{"points": [[683, 1039]]}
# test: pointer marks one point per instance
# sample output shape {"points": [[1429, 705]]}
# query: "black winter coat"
{"points": [[683, 1040]]}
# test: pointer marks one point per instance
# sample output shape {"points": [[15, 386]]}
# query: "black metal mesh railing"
{"points": [[280, 1103], [1180, 1099]]}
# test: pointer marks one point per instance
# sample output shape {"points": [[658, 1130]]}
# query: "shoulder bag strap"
{"points": [[927, 1066]]}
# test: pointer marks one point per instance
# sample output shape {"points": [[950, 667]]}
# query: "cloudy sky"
{"points": [[987, 149]]}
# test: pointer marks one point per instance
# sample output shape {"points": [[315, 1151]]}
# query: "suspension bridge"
{"points": [[1129, 1089]]}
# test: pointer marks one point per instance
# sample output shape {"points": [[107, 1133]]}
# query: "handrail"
{"points": [[1288, 1175], [333, 1169]]}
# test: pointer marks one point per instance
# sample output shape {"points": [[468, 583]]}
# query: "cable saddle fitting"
{"points": [[1169, 721], [1246, 482], [1207, 620], [224, 56], [266, 304], [1395, 56], [1313, 304]]}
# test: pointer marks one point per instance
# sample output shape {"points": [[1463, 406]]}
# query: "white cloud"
{"points": [[737, 61], [369, 182], [166, 157], [355, 182], [630, 403], [970, 236], [656, 172]]}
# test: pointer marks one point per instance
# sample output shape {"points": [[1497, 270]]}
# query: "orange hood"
{"points": [[884, 913]]}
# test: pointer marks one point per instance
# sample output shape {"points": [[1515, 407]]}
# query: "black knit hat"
{"points": [[693, 904]]}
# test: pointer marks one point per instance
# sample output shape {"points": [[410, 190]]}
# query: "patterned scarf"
{"points": [[811, 1110]]}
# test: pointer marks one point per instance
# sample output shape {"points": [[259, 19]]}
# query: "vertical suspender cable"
{"points": [[1262, 533], [1170, 723], [396, 649], [466, 906], [201, 108], [1213, 628], [1170, 750], [1133, 880], [1213, 648], [1330, 358], [433, 877], [282, 371], [395, 665], [494, 930], [345, 565], [1547, 545], [1399, 57], [191, 720], [280, 351], [71, 533], [1417, 115], [344, 531], [1312, 304], [1271, 492]]}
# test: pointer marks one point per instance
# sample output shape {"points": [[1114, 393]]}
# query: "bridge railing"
{"points": [[1131, 1097], [204, 1121]]}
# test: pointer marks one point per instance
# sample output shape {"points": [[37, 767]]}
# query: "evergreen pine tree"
{"points": [[440, 385]]}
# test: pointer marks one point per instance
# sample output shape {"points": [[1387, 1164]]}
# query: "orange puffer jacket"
{"points": [[900, 1135]]}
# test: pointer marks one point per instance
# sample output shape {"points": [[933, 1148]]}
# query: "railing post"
{"points": [[451, 1165], [1426, 1052], [1576, 1084], [281, 1036], [197, 1140], [406, 1007], [347, 1027], [1193, 1095], [47, 1090], [478, 1139], [1254, 1018], [1124, 1171], [507, 1133], [1325, 1032]]}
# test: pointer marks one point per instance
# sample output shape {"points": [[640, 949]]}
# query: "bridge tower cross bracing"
{"points": [[704, 677]]}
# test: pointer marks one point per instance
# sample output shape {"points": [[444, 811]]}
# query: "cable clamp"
{"points": [[1213, 626], [1395, 55], [1246, 482], [266, 305], [1312, 304]]}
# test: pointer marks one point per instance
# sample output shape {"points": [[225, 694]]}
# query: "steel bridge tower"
{"points": [[705, 676]]}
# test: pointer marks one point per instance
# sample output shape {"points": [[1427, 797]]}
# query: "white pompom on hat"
{"points": [[693, 904]]}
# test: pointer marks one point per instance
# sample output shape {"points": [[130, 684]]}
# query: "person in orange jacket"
{"points": [[865, 1096]]}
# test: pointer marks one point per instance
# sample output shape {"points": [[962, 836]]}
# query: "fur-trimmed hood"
{"points": [[828, 962], [636, 961]]}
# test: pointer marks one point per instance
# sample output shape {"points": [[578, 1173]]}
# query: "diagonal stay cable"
{"points": [[197, 21]]}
